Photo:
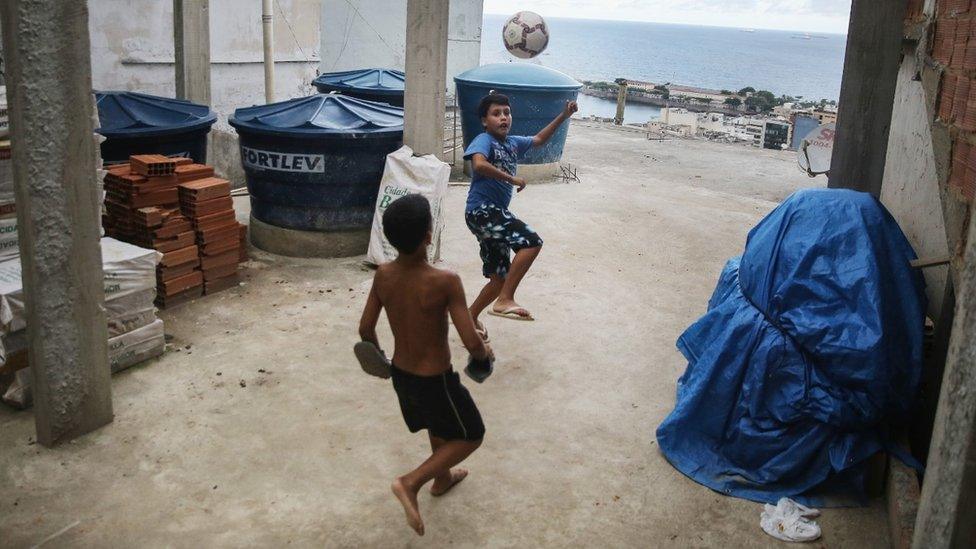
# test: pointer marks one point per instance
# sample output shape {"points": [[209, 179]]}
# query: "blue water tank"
{"points": [[802, 126], [384, 85], [537, 95], [137, 123], [315, 163]]}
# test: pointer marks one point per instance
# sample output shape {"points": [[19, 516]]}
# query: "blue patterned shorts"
{"points": [[499, 233]]}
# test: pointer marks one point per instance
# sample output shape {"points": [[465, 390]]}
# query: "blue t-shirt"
{"points": [[505, 157]]}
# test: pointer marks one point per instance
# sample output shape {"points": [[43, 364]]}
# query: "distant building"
{"points": [[637, 85], [776, 134], [825, 117], [680, 117], [712, 122], [689, 92], [754, 129]]}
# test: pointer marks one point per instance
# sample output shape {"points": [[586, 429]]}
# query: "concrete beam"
{"points": [[426, 80], [48, 68], [867, 94], [947, 514], [191, 38]]}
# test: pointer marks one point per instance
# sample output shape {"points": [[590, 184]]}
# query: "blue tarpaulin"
{"points": [[811, 346]]}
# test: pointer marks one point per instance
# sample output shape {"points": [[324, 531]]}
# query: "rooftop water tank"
{"points": [[313, 165], [137, 123], [383, 85], [537, 95]]}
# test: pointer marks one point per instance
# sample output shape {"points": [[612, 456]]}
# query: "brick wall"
{"points": [[953, 47]]}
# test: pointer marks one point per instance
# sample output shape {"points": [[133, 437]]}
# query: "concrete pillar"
{"points": [[426, 81], [621, 101], [867, 94], [48, 68], [191, 38], [947, 513]]}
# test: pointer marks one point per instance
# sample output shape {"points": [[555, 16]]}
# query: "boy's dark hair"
{"points": [[406, 222], [493, 98]]}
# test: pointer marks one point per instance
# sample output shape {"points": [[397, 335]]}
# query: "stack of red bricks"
{"points": [[167, 204], [954, 47], [209, 207]]}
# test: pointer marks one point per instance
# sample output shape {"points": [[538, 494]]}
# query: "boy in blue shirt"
{"points": [[494, 159]]}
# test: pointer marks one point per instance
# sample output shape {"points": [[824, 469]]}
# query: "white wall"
{"points": [[132, 49], [359, 34], [911, 189]]}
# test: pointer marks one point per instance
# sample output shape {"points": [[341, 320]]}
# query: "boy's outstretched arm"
{"points": [[457, 306], [545, 134], [481, 166], [371, 315]]}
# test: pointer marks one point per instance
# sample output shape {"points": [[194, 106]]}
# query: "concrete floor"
{"points": [[259, 429]]}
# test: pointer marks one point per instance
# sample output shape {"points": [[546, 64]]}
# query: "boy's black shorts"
{"points": [[499, 232], [439, 404]]}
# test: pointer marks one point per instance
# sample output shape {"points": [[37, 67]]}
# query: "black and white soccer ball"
{"points": [[526, 34]]}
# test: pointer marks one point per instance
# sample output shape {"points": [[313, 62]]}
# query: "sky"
{"points": [[824, 16]]}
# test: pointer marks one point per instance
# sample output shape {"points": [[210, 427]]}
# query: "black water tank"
{"points": [[383, 85], [136, 123], [315, 163]]}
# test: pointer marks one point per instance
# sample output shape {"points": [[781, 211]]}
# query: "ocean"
{"points": [[783, 62]]}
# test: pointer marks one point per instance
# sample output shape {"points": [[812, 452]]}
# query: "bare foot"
{"points": [[510, 307], [408, 499], [457, 475]]}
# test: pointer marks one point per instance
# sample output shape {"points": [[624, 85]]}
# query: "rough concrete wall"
{"points": [[359, 34], [132, 49], [911, 184]]}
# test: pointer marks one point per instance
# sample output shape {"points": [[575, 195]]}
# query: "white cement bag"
{"points": [[124, 351], [407, 174], [130, 312], [127, 270], [136, 346], [9, 244]]}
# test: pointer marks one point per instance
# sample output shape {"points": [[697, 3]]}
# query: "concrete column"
{"points": [[426, 81], [947, 513], [621, 101], [48, 68], [191, 38], [867, 94]]}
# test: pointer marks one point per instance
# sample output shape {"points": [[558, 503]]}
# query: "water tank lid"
{"points": [[320, 115], [376, 81], [524, 76], [130, 114]]}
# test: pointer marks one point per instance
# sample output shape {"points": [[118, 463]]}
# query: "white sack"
{"points": [[406, 174]]}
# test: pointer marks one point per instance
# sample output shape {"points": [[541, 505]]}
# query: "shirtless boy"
{"points": [[418, 299]]}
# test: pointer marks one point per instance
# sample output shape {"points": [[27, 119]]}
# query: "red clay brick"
{"points": [[960, 99], [959, 41], [180, 256], [204, 189], [221, 284], [152, 164], [219, 272], [945, 98], [210, 262], [182, 283]]}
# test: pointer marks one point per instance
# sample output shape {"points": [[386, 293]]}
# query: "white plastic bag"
{"points": [[406, 174]]}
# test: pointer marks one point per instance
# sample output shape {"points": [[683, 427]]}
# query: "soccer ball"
{"points": [[525, 34]]}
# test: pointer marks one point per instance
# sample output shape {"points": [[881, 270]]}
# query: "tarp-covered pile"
{"points": [[811, 345]]}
